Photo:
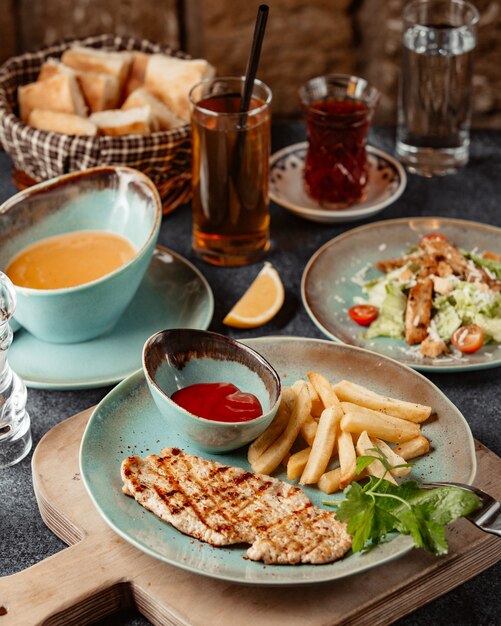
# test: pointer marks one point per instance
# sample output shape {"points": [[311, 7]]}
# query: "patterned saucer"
{"points": [[387, 180]]}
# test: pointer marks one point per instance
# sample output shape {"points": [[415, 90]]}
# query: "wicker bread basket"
{"points": [[39, 155]]}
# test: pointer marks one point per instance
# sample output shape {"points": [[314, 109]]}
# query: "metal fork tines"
{"points": [[488, 516]]}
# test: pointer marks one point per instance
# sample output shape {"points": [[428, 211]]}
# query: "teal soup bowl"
{"points": [[117, 200], [178, 358]]}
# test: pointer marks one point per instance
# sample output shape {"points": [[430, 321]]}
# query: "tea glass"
{"points": [[433, 133], [230, 171], [338, 110]]}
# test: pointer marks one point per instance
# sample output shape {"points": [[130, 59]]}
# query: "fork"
{"points": [[488, 516]]}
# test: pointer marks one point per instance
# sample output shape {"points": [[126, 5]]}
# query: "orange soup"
{"points": [[70, 259]]}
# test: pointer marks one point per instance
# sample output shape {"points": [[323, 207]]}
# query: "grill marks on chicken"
{"points": [[224, 505]]}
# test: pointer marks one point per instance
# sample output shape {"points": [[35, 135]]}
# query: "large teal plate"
{"points": [[127, 422], [173, 294], [328, 288]]}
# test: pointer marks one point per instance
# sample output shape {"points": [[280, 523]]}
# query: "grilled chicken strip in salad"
{"points": [[435, 296]]}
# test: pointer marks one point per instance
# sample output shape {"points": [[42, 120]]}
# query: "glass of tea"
{"points": [[338, 110], [230, 170]]}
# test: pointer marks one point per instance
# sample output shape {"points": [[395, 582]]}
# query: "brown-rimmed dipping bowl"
{"points": [[174, 359]]}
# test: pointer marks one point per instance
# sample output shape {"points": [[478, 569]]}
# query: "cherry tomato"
{"points": [[363, 314], [468, 339], [434, 237]]}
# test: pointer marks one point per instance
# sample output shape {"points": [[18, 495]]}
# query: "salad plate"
{"points": [[387, 181], [173, 294], [127, 422], [334, 276]]}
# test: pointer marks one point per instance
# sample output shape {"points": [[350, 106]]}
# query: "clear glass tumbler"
{"points": [[338, 110], [230, 171], [434, 111]]}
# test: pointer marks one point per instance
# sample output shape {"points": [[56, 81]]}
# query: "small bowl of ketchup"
{"points": [[212, 390]]}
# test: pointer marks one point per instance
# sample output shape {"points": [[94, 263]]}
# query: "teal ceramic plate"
{"points": [[173, 294], [331, 281], [127, 422]]}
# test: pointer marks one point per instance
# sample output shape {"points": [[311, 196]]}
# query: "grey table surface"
{"points": [[474, 194]]}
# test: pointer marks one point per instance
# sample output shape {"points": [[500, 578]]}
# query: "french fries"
{"points": [[323, 445], [276, 428], [316, 403], [392, 457], [351, 392], [324, 389], [297, 463], [352, 420], [330, 482], [365, 447], [413, 448], [273, 455], [309, 430], [347, 458], [357, 419]]}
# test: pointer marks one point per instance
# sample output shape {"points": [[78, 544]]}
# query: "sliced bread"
{"points": [[165, 118], [171, 79], [58, 122], [138, 121]]}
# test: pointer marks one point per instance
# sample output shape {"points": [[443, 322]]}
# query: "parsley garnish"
{"points": [[379, 508]]}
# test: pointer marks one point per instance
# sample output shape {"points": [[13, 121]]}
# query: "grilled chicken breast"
{"points": [[225, 505]]}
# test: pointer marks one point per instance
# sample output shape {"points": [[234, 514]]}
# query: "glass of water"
{"points": [[435, 85]]}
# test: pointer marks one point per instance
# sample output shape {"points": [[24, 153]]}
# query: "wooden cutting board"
{"points": [[100, 573]]}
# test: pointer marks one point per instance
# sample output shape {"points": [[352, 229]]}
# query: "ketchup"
{"points": [[336, 168], [221, 402]]}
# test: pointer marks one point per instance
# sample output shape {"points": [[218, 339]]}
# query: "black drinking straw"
{"points": [[250, 76], [253, 62]]}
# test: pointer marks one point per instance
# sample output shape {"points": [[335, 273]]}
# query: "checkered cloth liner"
{"points": [[163, 156]]}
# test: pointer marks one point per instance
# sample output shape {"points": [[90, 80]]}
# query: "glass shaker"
{"points": [[15, 432]]}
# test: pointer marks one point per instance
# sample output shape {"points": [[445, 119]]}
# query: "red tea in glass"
{"points": [[230, 171], [338, 111]]}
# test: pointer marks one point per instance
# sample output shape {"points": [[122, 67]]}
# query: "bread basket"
{"points": [[38, 155]]}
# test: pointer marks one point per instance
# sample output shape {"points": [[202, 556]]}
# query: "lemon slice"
{"points": [[260, 303]]}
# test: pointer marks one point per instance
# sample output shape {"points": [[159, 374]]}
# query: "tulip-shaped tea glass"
{"points": [[338, 110]]}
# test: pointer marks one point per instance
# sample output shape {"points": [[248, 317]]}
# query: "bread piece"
{"points": [[60, 92], [139, 121], [165, 118], [137, 72], [58, 122], [100, 91], [102, 61], [51, 67], [171, 78]]}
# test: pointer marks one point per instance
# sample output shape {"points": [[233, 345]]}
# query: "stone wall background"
{"points": [[304, 38]]}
